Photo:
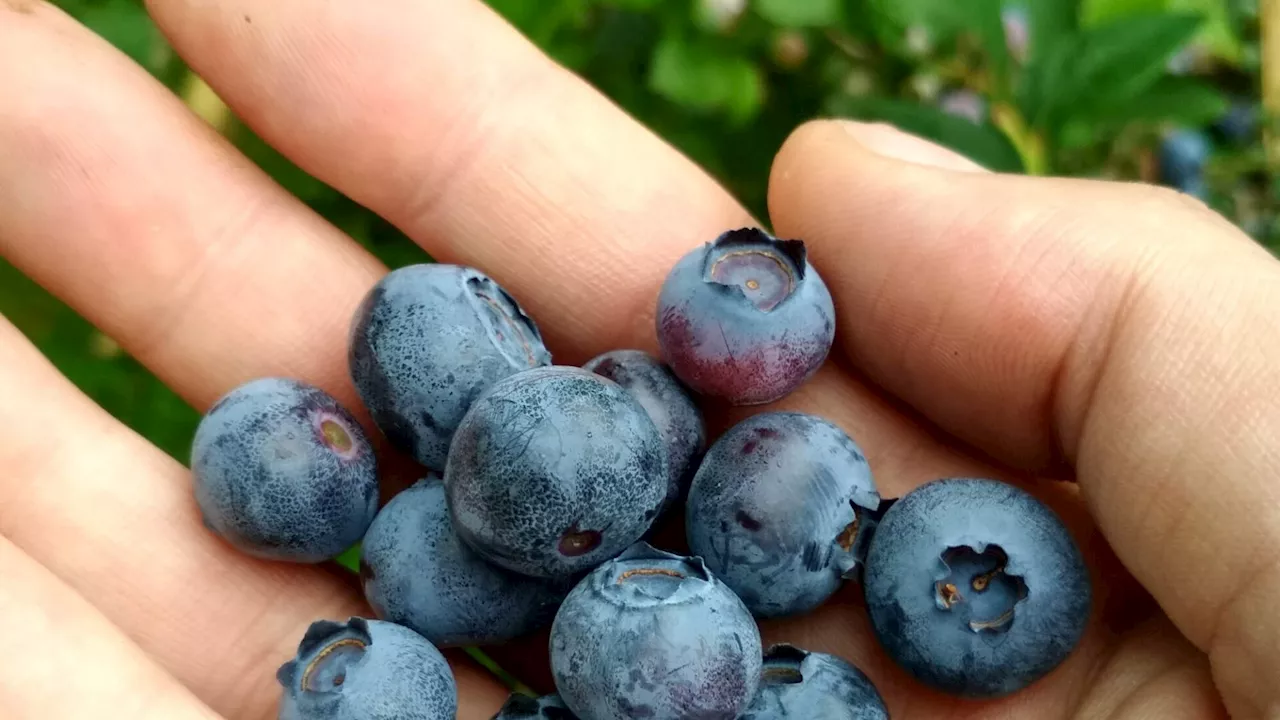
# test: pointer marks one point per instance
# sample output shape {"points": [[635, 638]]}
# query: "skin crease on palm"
{"points": [[1120, 334]]}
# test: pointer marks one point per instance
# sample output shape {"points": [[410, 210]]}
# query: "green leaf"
{"points": [[698, 78], [985, 19], [1184, 101], [1218, 34], [799, 13], [125, 24], [1101, 69], [1047, 21], [1100, 12], [890, 19], [982, 143]]}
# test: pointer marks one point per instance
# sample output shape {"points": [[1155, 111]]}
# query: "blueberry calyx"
{"points": [[854, 540], [783, 665], [977, 582], [513, 332], [763, 269], [521, 704], [326, 652], [643, 576]]}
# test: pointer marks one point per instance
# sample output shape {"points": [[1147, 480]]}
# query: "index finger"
{"points": [[467, 137]]}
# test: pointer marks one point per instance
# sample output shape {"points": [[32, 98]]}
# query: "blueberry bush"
{"points": [[1154, 90]]}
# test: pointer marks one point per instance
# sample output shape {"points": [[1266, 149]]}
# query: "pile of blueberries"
{"points": [[552, 479]]}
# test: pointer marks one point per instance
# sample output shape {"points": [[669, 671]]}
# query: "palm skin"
{"points": [[989, 325]]}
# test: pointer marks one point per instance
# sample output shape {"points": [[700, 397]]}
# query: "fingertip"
{"points": [[819, 138]]}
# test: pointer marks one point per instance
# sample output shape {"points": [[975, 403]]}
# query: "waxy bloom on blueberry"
{"points": [[417, 572], [654, 635], [782, 509], [745, 318], [366, 670], [426, 341], [282, 471], [658, 391], [799, 685], [975, 587], [553, 471]]}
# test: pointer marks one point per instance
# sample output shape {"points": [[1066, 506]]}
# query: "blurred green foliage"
{"points": [[1079, 87]]}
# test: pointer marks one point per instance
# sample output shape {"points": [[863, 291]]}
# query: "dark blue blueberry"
{"points": [[975, 587], [523, 707], [283, 472], [745, 318], [669, 406], [417, 573], [1240, 123], [554, 471], [813, 686], [366, 670], [781, 510], [426, 341], [1183, 157], [654, 635]]}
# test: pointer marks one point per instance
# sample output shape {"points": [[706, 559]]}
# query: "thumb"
{"points": [[1122, 329]]}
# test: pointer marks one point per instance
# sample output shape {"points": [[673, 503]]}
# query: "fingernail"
{"points": [[889, 141]]}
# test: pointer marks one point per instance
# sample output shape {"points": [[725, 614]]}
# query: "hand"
{"points": [[989, 325]]}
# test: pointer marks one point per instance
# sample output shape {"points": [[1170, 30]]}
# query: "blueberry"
{"points": [[1183, 157], [417, 572], [975, 587], [553, 471], [523, 707], [781, 509], [366, 670], [964, 104], [1016, 20], [813, 686], [1240, 123], [426, 341], [678, 419], [746, 318], [654, 635], [283, 472]]}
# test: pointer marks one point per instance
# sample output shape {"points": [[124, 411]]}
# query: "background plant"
{"points": [[1153, 90]]}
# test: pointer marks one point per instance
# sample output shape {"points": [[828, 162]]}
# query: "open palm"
{"points": [[988, 325]]}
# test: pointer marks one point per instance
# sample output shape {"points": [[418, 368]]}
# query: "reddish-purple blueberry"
{"points": [[746, 318]]}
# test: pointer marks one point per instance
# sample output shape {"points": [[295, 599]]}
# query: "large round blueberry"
{"points": [[802, 685], [523, 707], [678, 419], [745, 318], [553, 471], [975, 587], [417, 573], [654, 635], [283, 472], [781, 510], [364, 669], [426, 341]]}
